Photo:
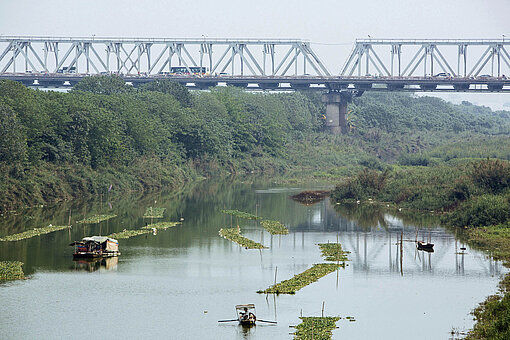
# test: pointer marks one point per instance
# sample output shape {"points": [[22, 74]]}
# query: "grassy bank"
{"points": [[473, 198]]}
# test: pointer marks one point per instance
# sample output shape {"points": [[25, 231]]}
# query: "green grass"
{"points": [[274, 227], [333, 252], [129, 233], [33, 232], [291, 286], [316, 328], [151, 212], [95, 219], [11, 270], [241, 214], [233, 234], [161, 225]]}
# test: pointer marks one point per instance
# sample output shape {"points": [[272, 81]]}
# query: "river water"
{"points": [[179, 283]]}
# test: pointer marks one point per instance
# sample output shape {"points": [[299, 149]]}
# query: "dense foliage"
{"points": [[105, 133]]}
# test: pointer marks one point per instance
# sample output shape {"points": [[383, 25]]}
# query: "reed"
{"points": [[274, 227], [234, 235], [95, 219], [333, 252], [241, 214], [34, 232], [291, 286], [11, 270], [129, 233], [316, 328], [161, 225], [151, 212]]}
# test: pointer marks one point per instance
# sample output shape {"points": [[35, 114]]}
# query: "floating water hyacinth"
{"points": [[291, 286], [151, 212], [233, 234], [274, 227], [161, 225], [34, 232], [96, 219], [333, 252], [316, 328], [129, 233], [241, 214], [11, 270]]}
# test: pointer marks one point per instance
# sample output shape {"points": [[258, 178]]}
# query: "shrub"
{"points": [[480, 211]]}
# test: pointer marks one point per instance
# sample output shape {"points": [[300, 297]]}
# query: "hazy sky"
{"points": [[322, 22]]}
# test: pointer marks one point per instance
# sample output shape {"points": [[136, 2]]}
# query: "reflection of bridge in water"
{"points": [[376, 248]]}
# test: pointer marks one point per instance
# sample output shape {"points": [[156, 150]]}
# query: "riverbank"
{"points": [[473, 199]]}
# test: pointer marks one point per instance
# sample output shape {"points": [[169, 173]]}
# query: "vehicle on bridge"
{"points": [[183, 70]]}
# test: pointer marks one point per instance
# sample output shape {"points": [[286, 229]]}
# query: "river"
{"points": [[179, 283]]}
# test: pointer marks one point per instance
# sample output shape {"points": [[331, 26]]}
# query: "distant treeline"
{"points": [[56, 145]]}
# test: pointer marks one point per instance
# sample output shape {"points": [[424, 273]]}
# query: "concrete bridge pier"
{"points": [[336, 110]]}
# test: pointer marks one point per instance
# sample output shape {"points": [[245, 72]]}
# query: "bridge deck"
{"points": [[286, 83]]}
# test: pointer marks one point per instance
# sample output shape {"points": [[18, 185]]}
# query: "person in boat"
{"points": [[245, 315]]}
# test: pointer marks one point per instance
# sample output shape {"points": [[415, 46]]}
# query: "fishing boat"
{"points": [[246, 314], [425, 246], [95, 246]]}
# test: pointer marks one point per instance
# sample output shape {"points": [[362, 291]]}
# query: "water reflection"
{"points": [[92, 265]]}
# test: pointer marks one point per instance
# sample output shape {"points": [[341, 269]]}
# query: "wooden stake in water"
{"points": [[323, 302], [401, 252], [275, 272]]}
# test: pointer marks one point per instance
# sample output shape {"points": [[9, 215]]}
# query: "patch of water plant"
{"points": [[234, 235], [161, 225], [241, 214], [151, 212], [95, 219], [129, 233], [34, 232], [333, 252], [11, 270], [274, 227], [315, 327], [291, 286]]}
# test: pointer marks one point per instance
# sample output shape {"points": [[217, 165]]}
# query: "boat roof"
{"points": [[98, 239], [247, 306]]}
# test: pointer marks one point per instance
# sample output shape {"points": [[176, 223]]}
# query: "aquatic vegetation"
{"points": [[161, 225], [96, 219], [310, 197], [291, 286], [333, 252], [241, 214], [316, 328], [11, 270], [151, 212], [34, 232], [274, 227], [234, 235], [129, 233]]}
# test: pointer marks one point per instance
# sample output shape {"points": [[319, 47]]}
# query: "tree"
{"points": [[103, 85], [180, 92]]}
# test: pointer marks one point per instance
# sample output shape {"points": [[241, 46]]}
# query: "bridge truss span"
{"points": [[132, 56], [463, 58]]}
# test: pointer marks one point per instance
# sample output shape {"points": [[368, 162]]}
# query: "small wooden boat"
{"points": [[425, 246], [95, 246], [246, 314]]}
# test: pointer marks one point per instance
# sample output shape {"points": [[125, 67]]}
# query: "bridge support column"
{"points": [[336, 110]]}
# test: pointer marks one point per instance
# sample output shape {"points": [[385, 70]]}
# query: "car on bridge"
{"points": [[443, 75]]}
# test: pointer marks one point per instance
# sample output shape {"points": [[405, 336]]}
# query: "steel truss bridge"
{"points": [[372, 65]]}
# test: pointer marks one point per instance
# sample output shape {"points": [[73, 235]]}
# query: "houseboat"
{"points": [[95, 246]]}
